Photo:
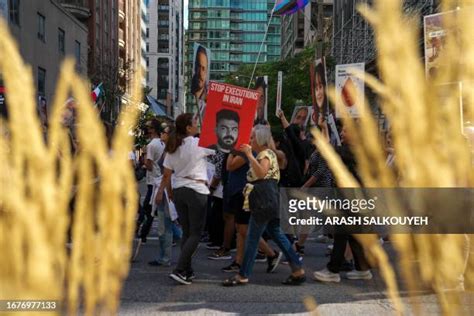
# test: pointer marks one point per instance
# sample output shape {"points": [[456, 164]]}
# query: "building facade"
{"points": [[353, 37], [115, 46], [301, 29], [165, 53], [292, 34], [46, 34], [130, 43]]}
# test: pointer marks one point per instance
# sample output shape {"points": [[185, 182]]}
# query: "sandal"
{"points": [[233, 281], [293, 280]]}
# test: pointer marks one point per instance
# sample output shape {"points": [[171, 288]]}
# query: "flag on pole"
{"points": [[97, 92]]}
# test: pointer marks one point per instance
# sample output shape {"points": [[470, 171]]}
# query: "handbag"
{"points": [[264, 200]]}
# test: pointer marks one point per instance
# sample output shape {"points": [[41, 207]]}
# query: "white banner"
{"points": [[279, 91], [349, 89]]}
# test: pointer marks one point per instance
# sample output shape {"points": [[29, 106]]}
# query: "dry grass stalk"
{"points": [[430, 149], [37, 181]]}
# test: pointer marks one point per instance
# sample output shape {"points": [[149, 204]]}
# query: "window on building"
{"points": [[41, 81], [61, 41], [77, 53], [41, 27], [14, 11]]}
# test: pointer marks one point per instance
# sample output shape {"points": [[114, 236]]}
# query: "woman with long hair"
{"points": [[188, 162]]}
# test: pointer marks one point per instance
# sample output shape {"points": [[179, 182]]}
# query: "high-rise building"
{"points": [[233, 30], [165, 53], [292, 38], [353, 38], [46, 33], [301, 29], [129, 43]]}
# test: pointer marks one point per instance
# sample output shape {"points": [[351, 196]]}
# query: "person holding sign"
{"points": [[261, 198]]}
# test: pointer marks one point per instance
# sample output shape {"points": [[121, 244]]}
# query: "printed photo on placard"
{"points": [[261, 85], [319, 90], [301, 115], [229, 117], [434, 39], [349, 89], [200, 78]]}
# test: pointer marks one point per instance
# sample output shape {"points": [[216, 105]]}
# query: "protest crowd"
{"points": [[228, 198]]}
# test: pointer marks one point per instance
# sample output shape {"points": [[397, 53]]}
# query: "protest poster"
{"points": [[229, 117], [434, 40], [200, 76], [349, 89], [279, 91], [261, 85], [319, 90], [301, 115]]}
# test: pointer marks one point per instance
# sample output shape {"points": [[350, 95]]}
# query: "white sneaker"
{"points": [[326, 276], [359, 275]]}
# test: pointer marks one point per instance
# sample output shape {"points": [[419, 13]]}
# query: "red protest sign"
{"points": [[228, 117]]}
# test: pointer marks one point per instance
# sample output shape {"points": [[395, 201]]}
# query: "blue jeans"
{"points": [[177, 232], [254, 233], [165, 235]]}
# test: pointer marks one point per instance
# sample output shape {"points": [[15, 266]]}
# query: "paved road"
{"points": [[148, 290]]}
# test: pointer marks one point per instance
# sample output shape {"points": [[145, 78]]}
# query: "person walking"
{"points": [[154, 151], [261, 199], [190, 190], [341, 238], [162, 211]]}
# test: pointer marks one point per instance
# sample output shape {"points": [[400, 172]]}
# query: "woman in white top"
{"points": [[188, 162]]}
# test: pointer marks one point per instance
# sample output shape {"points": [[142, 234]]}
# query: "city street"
{"points": [[148, 290]]}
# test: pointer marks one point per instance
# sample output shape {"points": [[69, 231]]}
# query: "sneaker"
{"points": [[180, 278], [260, 257], [190, 275], [326, 276], [212, 246], [143, 240], [221, 254], [274, 261], [233, 267], [359, 275]]}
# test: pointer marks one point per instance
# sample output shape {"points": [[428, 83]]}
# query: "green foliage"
{"points": [[296, 81]]}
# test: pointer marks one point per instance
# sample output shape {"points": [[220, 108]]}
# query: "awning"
{"points": [[157, 107]]}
